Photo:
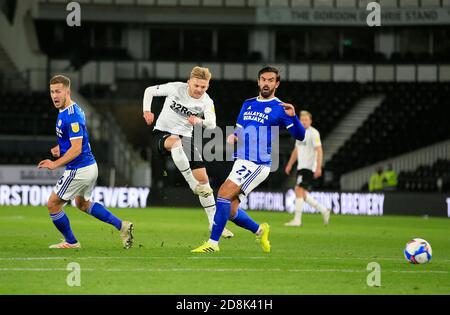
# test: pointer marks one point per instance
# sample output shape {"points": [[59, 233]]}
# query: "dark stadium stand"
{"points": [[23, 113], [31, 115], [412, 116], [429, 178]]}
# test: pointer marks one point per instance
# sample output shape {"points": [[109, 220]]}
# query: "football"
{"points": [[418, 251]]}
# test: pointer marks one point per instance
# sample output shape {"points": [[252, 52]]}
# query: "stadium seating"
{"points": [[26, 113], [427, 178], [412, 116], [397, 126], [31, 114]]}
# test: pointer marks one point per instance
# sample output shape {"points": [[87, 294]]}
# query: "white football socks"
{"points": [[209, 204], [298, 209], [314, 203], [182, 163]]}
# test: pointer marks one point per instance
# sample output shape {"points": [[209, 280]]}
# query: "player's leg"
{"points": [[174, 145], [59, 218], [88, 178], [239, 217], [299, 202], [98, 211], [227, 192], [101, 213], [250, 176], [208, 203], [322, 209], [305, 179]]}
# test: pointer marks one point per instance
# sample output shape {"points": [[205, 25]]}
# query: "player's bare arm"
{"points": [[318, 171], [149, 93], [194, 120], [232, 139], [55, 151], [149, 117], [209, 121], [291, 161], [71, 154]]}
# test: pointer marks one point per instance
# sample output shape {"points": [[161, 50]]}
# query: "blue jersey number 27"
{"points": [[244, 172]]}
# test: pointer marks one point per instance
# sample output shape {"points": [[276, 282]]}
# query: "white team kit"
{"points": [[306, 166], [178, 106], [306, 150]]}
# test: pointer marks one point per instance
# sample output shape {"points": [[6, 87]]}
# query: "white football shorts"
{"points": [[79, 182], [248, 175]]}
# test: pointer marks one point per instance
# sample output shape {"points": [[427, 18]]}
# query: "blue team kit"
{"points": [[71, 124], [254, 129]]}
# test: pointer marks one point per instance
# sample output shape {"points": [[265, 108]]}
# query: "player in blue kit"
{"points": [[252, 158], [78, 181]]}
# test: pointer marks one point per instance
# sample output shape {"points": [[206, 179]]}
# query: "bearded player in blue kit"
{"points": [[78, 181], [252, 157]]}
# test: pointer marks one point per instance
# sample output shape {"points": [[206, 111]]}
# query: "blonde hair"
{"points": [[60, 79], [201, 73], [305, 113]]}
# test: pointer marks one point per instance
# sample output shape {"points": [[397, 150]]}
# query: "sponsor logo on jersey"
{"points": [[59, 132], [182, 110], [256, 116], [75, 127]]}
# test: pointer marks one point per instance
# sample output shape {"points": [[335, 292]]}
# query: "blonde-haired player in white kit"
{"points": [[172, 134], [308, 154]]}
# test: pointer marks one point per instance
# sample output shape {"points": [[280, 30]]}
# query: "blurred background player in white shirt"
{"points": [[308, 155], [185, 103]]}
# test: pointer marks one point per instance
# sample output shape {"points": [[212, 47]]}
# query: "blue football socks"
{"points": [[62, 223], [103, 214], [243, 220], [223, 210]]}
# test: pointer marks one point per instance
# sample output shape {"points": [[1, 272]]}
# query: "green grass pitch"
{"points": [[309, 260]]}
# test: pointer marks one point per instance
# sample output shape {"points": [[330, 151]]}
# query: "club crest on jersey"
{"points": [[59, 123], [267, 110], [75, 127]]}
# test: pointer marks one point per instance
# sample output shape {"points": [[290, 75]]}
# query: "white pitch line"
{"points": [[223, 270], [195, 258], [203, 258]]}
